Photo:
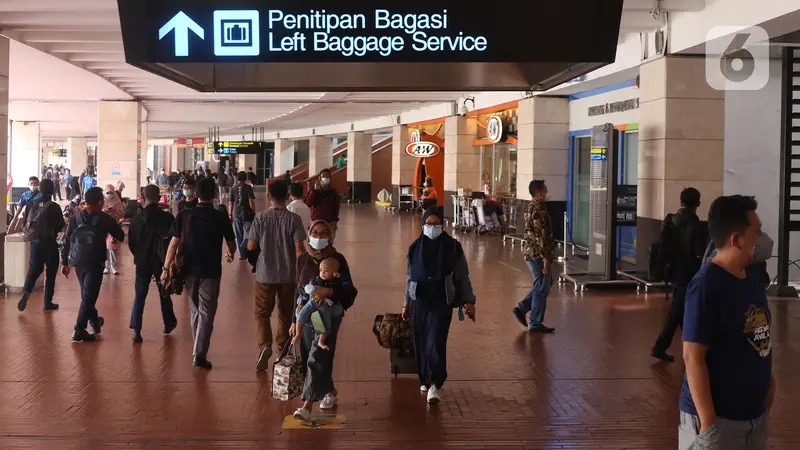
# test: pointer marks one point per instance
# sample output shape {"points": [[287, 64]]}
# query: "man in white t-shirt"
{"points": [[297, 206]]}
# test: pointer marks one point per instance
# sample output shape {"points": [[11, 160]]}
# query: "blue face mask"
{"points": [[432, 231], [318, 243]]}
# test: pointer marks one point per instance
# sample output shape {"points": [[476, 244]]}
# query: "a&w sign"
{"points": [[422, 149]]}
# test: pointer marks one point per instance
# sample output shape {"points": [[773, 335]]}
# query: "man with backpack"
{"points": [[43, 222], [243, 209], [681, 246], [85, 249], [148, 239]]}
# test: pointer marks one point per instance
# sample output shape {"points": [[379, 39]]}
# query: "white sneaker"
{"points": [[328, 402], [433, 395], [106, 272], [423, 389], [302, 414], [115, 272]]}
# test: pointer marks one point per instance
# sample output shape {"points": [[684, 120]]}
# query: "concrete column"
{"points": [[681, 142], [25, 155], [403, 166], [176, 156], [142, 151], [77, 155], [320, 155], [359, 166], [543, 146], [4, 62], [118, 143], [283, 158], [462, 160]]}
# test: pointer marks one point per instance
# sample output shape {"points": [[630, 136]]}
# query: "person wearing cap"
{"points": [[689, 237]]}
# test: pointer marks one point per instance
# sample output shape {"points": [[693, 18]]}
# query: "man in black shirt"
{"points": [[688, 239], [44, 249], [206, 228], [190, 199], [243, 207], [147, 237], [88, 254], [251, 176]]}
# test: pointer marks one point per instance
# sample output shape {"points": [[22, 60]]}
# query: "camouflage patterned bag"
{"points": [[393, 332]]}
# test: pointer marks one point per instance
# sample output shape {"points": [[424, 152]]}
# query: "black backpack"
{"points": [[37, 226], [84, 244], [663, 252]]}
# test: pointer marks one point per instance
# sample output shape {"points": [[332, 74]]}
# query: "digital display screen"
{"points": [[240, 147], [160, 31]]}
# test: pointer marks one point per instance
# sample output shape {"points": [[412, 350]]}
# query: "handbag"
{"points": [[176, 272], [288, 374], [392, 332]]}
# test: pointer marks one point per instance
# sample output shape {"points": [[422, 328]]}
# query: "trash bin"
{"points": [[17, 253]]}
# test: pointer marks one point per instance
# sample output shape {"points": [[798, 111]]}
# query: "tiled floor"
{"points": [[590, 385]]}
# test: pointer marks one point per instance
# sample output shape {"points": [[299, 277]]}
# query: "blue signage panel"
{"points": [[161, 31], [241, 147]]}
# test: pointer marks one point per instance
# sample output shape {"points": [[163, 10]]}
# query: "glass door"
{"points": [[580, 188]]}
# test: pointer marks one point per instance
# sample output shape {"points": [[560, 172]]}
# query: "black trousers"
{"points": [[674, 318], [142, 285], [43, 254], [90, 279]]}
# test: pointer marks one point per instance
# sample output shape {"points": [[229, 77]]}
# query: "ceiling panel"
{"points": [[73, 57]]}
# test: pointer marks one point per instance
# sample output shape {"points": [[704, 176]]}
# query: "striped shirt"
{"points": [[277, 230]]}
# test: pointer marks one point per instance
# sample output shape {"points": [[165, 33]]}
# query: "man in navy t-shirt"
{"points": [[728, 387]]}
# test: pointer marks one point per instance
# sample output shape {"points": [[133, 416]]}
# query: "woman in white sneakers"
{"points": [[437, 282]]}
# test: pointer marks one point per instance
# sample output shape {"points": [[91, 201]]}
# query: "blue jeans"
{"points": [[536, 300], [241, 229], [43, 254]]}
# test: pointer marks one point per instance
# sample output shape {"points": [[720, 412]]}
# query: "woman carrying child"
{"points": [[319, 361]]}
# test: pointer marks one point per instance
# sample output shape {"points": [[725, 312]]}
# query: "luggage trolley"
{"points": [[511, 206], [463, 214]]}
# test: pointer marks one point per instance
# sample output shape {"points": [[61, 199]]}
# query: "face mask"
{"points": [[432, 231], [324, 181], [187, 193], [34, 188], [110, 195], [318, 243], [763, 248]]}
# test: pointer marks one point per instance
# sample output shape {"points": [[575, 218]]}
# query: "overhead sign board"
{"points": [[422, 149], [161, 31], [240, 147]]}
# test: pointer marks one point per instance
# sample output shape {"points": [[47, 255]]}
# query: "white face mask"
{"points": [[109, 195], [324, 181], [432, 231], [318, 243], [34, 188]]}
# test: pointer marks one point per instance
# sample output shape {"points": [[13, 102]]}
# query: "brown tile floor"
{"points": [[589, 386]]}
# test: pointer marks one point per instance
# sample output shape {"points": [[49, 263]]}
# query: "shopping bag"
{"points": [[288, 374]]}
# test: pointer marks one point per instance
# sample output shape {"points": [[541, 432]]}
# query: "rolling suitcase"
{"points": [[402, 362]]}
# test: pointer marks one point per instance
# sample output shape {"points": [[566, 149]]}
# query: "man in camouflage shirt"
{"points": [[539, 251]]}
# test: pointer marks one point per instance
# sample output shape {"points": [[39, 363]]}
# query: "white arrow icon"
{"points": [[181, 23]]}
